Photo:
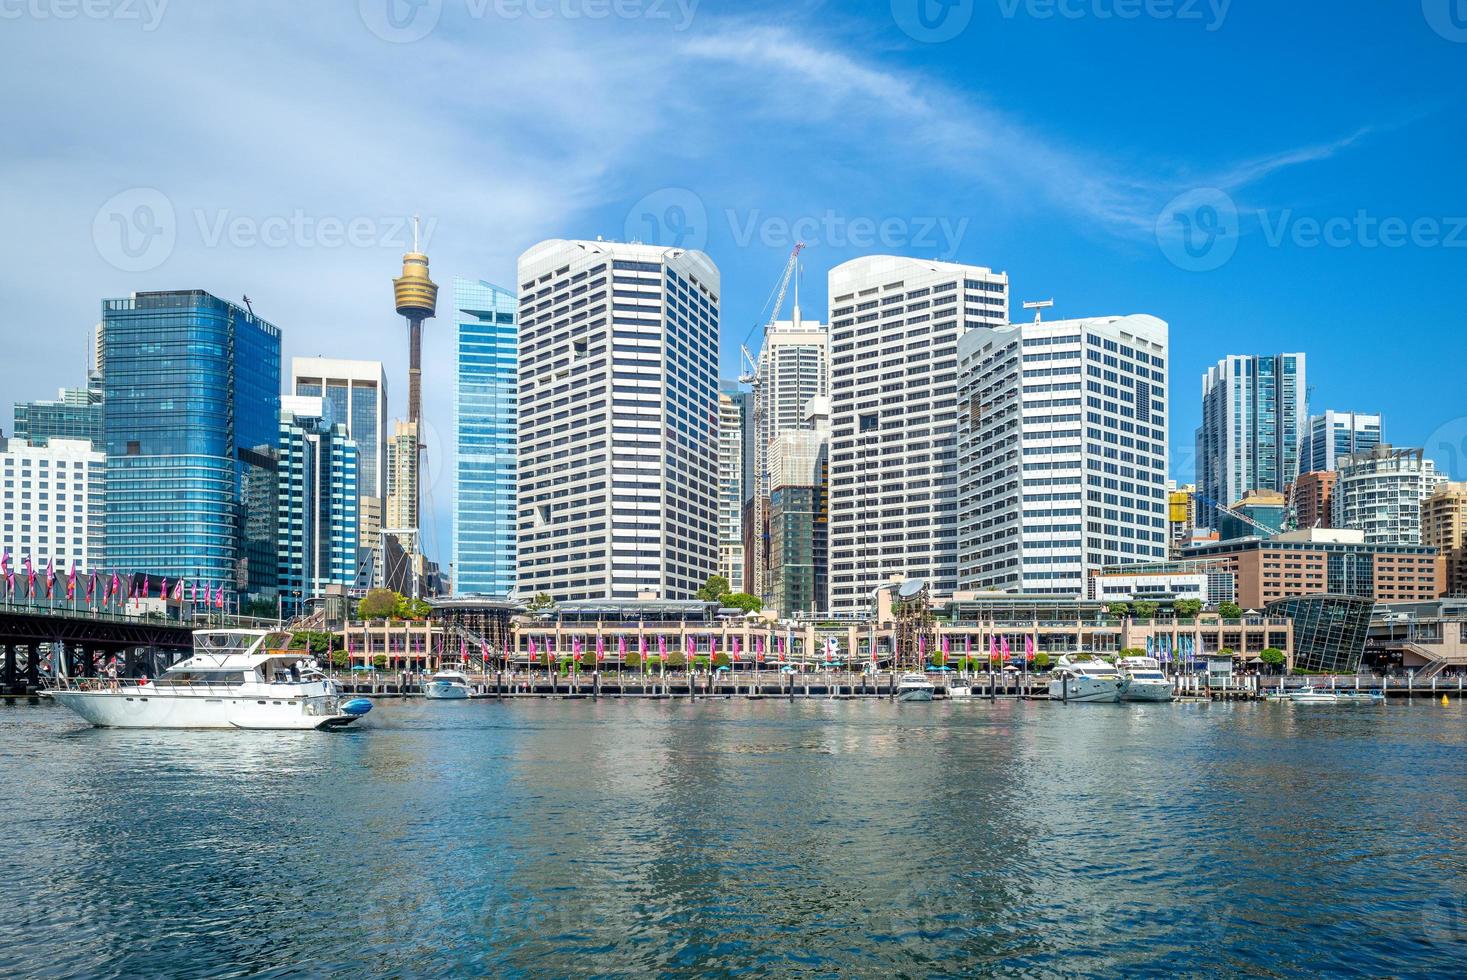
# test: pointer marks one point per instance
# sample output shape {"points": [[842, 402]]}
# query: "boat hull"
{"points": [[152, 709], [1086, 690], [445, 692], [1146, 691], [915, 695]]}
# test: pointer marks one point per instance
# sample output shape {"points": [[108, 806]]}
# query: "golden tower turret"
{"points": [[417, 300]]}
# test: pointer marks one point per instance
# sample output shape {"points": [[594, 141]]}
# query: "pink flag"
{"points": [[219, 598], [147, 586], [178, 591], [873, 653], [533, 648], [735, 648], [600, 648], [689, 645], [30, 576], [758, 649], [50, 577], [642, 644], [661, 645], [993, 648], [5, 571], [1007, 652], [945, 647], [921, 644], [621, 647], [163, 588], [1029, 647], [780, 641]]}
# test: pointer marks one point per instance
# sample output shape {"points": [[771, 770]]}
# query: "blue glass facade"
{"points": [[485, 420], [75, 414], [318, 467], [190, 417]]}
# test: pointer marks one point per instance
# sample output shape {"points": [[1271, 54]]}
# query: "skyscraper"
{"points": [[1444, 527], [792, 368], [317, 500], [732, 474], [356, 392], [894, 329], [416, 296], [191, 418], [485, 425], [799, 518], [1333, 435], [1381, 492], [618, 420], [1062, 451], [51, 500], [1252, 421], [75, 414]]}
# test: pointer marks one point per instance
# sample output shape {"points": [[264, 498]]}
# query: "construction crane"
{"points": [[1258, 526], [750, 376]]}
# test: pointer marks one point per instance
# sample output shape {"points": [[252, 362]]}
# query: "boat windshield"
{"points": [[199, 676]]}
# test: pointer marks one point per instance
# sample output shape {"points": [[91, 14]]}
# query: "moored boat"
{"points": [[915, 687], [236, 678], [1086, 680], [1142, 679], [448, 684]]}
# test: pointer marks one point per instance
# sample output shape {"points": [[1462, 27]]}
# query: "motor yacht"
{"points": [[915, 687], [1312, 695], [236, 678], [1085, 679], [448, 684], [1142, 679]]}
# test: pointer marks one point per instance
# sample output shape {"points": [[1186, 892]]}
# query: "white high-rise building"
{"points": [[618, 421], [1331, 436], [894, 329], [731, 490], [51, 504], [792, 368], [1381, 491], [1062, 449]]}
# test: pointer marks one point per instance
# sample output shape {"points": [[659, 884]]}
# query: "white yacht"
{"points": [[1311, 695], [1142, 679], [1085, 679], [449, 684], [235, 679], [915, 687]]}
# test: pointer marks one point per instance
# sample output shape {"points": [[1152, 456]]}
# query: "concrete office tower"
{"points": [[792, 368], [1062, 450], [355, 393], [403, 453], [799, 520], [319, 466], [732, 474], [1444, 527], [1330, 437], [1380, 493], [485, 430], [618, 421], [894, 329], [1252, 421], [51, 504], [190, 450]]}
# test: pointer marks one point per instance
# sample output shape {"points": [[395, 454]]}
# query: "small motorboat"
{"points": [[1312, 695], [915, 687], [449, 684]]}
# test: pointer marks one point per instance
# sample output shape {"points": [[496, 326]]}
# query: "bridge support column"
{"points": [[12, 678], [33, 667]]}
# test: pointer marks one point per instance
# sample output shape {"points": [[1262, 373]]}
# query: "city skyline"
{"points": [[995, 174]]}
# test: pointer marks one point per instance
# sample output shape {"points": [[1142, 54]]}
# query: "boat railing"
{"points": [[159, 685]]}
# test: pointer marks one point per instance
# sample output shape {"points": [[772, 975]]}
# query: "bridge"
{"points": [[43, 639]]}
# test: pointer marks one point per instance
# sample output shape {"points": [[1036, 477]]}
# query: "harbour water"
{"points": [[808, 838]]}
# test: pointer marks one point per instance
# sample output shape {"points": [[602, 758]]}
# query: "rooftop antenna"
{"points": [[1039, 308], [248, 306], [415, 233]]}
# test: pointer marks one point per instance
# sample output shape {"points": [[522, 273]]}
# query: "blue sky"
{"points": [[281, 148]]}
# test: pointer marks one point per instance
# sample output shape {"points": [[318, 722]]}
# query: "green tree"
{"points": [[1133, 652], [1119, 610], [720, 659], [677, 658], [1187, 608], [378, 604], [939, 658], [340, 659], [741, 600], [1041, 660], [415, 610], [634, 659], [1146, 609], [380, 661], [1273, 658], [1230, 610], [716, 586], [543, 602]]}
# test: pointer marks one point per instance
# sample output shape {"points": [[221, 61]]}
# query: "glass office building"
{"points": [[1332, 436], [1252, 422], [318, 470], [190, 417], [1329, 630], [485, 422], [75, 414]]}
